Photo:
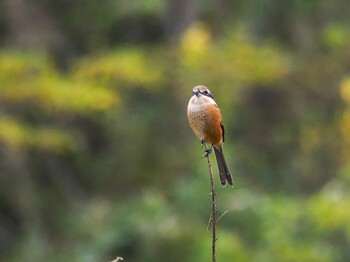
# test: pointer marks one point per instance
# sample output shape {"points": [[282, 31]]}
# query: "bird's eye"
{"points": [[206, 92]]}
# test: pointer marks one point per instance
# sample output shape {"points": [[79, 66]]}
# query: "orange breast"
{"points": [[206, 123]]}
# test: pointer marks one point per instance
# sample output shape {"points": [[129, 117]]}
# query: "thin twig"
{"points": [[212, 220], [209, 223], [221, 216], [117, 259]]}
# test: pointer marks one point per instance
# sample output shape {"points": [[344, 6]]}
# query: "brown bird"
{"points": [[204, 117]]}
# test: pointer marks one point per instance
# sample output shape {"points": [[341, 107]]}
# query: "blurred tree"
{"points": [[97, 159], [32, 27], [179, 16]]}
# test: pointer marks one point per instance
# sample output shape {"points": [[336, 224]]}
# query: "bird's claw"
{"points": [[207, 152]]}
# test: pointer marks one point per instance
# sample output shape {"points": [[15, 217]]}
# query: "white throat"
{"points": [[197, 103]]}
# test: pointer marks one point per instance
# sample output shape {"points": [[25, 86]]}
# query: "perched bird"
{"points": [[205, 119]]}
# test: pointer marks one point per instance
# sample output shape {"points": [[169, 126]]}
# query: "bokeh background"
{"points": [[96, 156]]}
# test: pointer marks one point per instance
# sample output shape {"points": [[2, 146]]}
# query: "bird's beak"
{"points": [[195, 92]]}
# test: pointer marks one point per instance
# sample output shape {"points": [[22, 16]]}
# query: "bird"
{"points": [[205, 119]]}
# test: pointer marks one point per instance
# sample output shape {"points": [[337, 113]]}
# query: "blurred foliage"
{"points": [[38, 83], [122, 68], [236, 59], [97, 159], [18, 135]]}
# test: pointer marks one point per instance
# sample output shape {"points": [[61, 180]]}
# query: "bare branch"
{"points": [[212, 220]]}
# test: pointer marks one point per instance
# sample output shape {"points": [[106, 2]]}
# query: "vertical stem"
{"points": [[212, 222]]}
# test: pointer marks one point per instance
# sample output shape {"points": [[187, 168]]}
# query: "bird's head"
{"points": [[199, 91]]}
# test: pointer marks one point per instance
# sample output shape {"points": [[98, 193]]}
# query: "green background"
{"points": [[96, 156]]}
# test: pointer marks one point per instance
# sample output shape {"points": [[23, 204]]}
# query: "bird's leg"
{"points": [[207, 151], [202, 142]]}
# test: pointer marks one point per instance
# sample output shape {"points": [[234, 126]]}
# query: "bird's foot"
{"points": [[207, 152]]}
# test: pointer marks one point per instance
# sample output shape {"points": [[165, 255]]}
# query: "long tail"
{"points": [[224, 172]]}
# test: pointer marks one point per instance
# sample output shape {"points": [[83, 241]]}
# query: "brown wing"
{"points": [[222, 126], [223, 131]]}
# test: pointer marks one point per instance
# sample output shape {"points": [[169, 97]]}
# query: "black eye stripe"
{"points": [[206, 93]]}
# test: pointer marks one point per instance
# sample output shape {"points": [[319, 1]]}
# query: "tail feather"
{"points": [[224, 172]]}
